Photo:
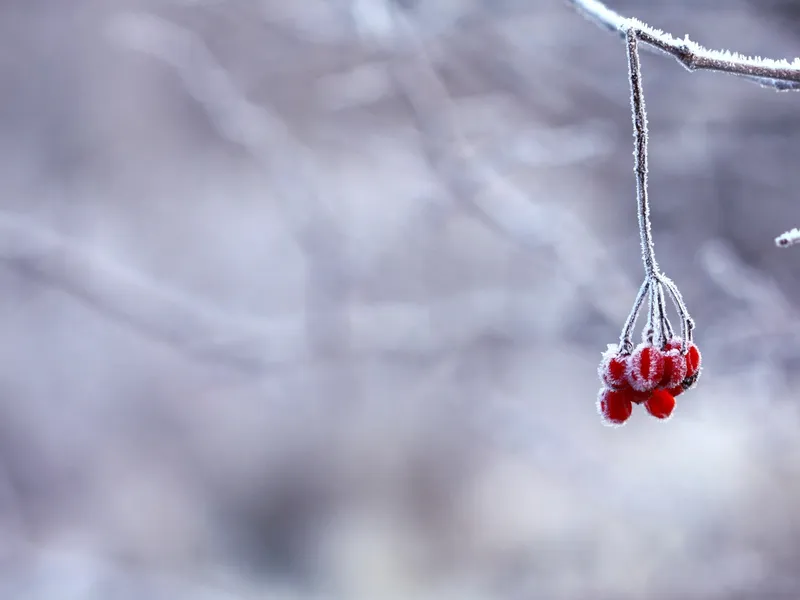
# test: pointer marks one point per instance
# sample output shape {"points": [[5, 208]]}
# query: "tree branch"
{"points": [[778, 74]]}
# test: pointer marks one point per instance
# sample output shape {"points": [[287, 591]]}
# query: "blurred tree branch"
{"points": [[476, 187]]}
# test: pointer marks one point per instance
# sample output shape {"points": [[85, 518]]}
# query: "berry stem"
{"points": [[666, 327], [625, 344], [640, 152], [687, 323], [650, 329]]}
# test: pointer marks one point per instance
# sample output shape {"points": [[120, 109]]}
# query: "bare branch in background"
{"points": [[264, 135], [492, 199], [306, 207], [246, 344], [157, 312]]}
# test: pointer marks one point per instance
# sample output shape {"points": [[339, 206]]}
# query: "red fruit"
{"points": [[693, 359], [613, 368], [676, 391], [660, 404], [674, 369], [614, 406], [645, 368], [692, 355]]}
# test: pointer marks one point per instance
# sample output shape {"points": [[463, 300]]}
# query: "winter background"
{"points": [[305, 299]]}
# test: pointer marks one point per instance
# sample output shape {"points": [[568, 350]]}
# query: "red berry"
{"points": [[693, 359], [674, 369], [614, 406], [692, 354], [613, 368], [676, 391], [645, 368], [660, 404]]}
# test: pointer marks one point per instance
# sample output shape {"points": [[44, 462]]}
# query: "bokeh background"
{"points": [[304, 299]]}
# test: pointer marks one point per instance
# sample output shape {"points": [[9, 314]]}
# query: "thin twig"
{"points": [[639, 115], [625, 344]]}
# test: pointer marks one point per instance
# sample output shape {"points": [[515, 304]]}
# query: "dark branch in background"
{"points": [[780, 75]]}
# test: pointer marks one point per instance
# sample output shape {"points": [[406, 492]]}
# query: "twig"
{"points": [[639, 115]]}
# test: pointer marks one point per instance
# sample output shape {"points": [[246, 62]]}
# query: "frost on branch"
{"points": [[789, 238], [780, 74]]}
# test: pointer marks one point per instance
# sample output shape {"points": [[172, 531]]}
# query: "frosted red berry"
{"points": [[660, 404], [674, 369], [645, 368], [613, 368], [614, 406], [677, 390], [693, 359]]}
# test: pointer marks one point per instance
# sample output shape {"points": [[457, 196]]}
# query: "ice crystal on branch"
{"points": [[790, 238]]}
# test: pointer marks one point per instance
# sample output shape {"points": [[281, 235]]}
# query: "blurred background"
{"points": [[305, 299]]}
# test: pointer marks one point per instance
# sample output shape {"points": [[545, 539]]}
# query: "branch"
{"points": [[789, 238], [778, 74]]}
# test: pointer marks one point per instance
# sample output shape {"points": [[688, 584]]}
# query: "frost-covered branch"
{"points": [[789, 238], [779, 74], [639, 114]]}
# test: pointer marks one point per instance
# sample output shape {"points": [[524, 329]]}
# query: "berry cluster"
{"points": [[664, 365], [650, 375]]}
